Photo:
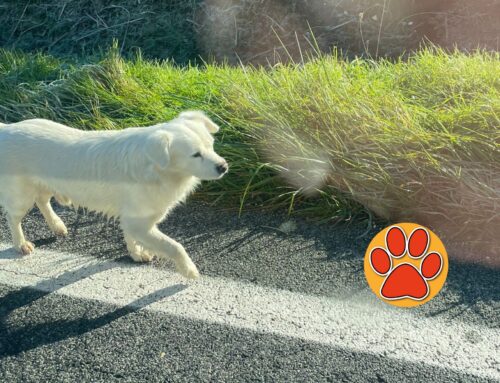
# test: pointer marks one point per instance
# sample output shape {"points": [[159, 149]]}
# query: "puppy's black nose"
{"points": [[222, 168]]}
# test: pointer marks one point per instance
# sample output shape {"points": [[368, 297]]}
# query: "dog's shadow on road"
{"points": [[15, 339], [253, 249], [9, 254]]}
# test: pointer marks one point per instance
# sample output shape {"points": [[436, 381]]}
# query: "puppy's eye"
{"points": [[197, 154]]}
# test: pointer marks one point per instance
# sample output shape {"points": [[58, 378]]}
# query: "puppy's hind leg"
{"points": [[20, 243], [55, 223], [17, 198]]}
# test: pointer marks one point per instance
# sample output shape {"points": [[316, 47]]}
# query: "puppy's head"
{"points": [[189, 146]]}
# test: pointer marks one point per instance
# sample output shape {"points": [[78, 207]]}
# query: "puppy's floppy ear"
{"points": [[196, 115], [157, 148]]}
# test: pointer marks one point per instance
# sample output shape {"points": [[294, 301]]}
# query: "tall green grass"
{"points": [[408, 140]]}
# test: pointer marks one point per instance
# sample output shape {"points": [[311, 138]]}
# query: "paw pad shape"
{"points": [[406, 279]]}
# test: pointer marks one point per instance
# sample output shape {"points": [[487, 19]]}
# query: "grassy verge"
{"points": [[414, 140]]}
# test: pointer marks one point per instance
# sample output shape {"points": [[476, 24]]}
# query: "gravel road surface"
{"points": [[271, 306]]}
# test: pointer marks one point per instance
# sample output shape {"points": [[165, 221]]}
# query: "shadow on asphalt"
{"points": [[30, 337], [473, 287], [321, 260], [8, 254]]}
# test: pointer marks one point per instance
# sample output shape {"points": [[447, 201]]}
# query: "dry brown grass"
{"points": [[253, 31]]}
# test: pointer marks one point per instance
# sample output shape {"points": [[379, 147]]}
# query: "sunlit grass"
{"points": [[416, 139]]}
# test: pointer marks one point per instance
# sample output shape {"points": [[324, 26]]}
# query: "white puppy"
{"points": [[136, 174]]}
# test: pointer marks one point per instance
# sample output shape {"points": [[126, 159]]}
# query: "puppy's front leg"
{"points": [[155, 241]]}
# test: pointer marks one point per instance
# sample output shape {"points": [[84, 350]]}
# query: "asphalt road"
{"points": [[269, 307]]}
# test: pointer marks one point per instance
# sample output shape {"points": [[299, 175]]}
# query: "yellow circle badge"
{"points": [[406, 264]]}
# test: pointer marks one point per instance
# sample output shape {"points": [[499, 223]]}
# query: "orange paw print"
{"points": [[406, 264]]}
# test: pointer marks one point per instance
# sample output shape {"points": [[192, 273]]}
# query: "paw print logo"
{"points": [[406, 264]]}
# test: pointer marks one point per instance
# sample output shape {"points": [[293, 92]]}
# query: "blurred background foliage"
{"points": [[260, 32]]}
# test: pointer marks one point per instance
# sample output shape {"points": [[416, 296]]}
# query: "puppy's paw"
{"points": [[59, 228], [26, 248], [146, 256], [138, 254], [140, 258], [187, 269]]}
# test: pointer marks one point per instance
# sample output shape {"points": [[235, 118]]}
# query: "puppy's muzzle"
{"points": [[222, 168]]}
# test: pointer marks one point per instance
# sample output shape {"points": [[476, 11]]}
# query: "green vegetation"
{"points": [[416, 139]]}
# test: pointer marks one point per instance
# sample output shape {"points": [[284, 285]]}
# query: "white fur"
{"points": [[137, 174]]}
